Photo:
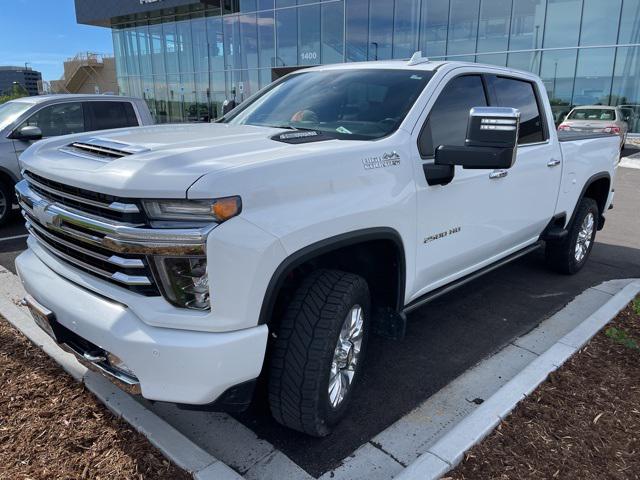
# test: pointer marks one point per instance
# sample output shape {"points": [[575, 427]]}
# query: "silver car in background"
{"points": [[27, 120], [596, 119]]}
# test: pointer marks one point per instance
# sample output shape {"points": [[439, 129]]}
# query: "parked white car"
{"points": [[29, 119], [184, 260], [596, 119]]}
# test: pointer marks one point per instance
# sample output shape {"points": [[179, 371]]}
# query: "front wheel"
{"points": [[318, 352], [569, 255], [6, 201]]}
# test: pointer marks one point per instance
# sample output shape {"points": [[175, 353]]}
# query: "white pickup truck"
{"points": [[186, 261]]}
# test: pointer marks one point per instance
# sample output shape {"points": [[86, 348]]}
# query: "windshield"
{"points": [[10, 111], [346, 104], [593, 114]]}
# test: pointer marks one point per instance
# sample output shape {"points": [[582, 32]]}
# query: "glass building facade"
{"points": [[185, 61]]}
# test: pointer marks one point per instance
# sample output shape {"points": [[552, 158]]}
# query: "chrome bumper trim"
{"points": [[117, 237]]}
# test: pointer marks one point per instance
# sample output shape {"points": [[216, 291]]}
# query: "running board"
{"points": [[438, 292]]}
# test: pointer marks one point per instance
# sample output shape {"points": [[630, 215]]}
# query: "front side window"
{"points": [[520, 94], [60, 119], [10, 111], [345, 104], [449, 116]]}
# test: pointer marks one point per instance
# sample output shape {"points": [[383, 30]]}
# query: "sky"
{"points": [[45, 33]]}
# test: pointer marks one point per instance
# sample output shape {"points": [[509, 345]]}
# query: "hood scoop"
{"points": [[101, 149]]}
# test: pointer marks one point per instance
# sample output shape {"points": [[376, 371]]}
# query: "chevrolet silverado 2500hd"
{"points": [[182, 260]]}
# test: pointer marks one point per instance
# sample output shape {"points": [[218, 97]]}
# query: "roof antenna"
{"points": [[417, 58]]}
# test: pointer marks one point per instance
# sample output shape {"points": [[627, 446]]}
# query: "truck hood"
{"points": [[160, 161]]}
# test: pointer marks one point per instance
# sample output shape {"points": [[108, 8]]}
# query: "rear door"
{"points": [[105, 115], [537, 173]]}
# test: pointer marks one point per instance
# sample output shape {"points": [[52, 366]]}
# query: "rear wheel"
{"points": [[318, 353], [6, 201], [569, 255]]}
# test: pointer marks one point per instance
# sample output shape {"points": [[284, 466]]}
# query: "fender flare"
{"points": [[327, 245], [587, 184]]}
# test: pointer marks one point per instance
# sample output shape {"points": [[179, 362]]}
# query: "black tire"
{"points": [[301, 359], [561, 256], [7, 198]]}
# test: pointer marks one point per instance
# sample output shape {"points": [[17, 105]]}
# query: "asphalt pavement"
{"points": [[444, 338]]}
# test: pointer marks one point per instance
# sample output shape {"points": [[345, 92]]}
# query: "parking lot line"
{"points": [[15, 237]]}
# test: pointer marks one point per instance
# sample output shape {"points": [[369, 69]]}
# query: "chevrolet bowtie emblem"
{"points": [[44, 216]]}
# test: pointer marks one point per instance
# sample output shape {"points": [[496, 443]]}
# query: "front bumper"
{"points": [[170, 365]]}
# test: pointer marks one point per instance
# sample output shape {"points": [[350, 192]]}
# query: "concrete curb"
{"points": [[447, 452], [173, 444]]}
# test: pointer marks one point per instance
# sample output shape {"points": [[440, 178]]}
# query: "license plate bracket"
{"points": [[41, 315]]}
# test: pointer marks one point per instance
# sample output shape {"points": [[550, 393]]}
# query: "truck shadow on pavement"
{"points": [[444, 339]]}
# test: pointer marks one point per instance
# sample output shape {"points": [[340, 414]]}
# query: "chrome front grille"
{"points": [[108, 206], [64, 221]]}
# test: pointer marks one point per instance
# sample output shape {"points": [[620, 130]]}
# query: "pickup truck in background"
{"points": [[186, 261], [29, 119]]}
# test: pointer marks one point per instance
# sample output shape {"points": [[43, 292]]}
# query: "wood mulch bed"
{"points": [[582, 423], [51, 427]]}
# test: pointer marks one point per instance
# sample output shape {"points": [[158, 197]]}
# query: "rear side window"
{"points": [[449, 116], [106, 115], [521, 95]]}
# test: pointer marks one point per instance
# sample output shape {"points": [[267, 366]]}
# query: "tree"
{"points": [[16, 91]]}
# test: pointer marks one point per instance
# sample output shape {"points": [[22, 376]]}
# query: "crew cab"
{"points": [[185, 261]]}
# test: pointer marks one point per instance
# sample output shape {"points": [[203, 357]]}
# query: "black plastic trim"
{"points": [[234, 399], [587, 184], [325, 246]]}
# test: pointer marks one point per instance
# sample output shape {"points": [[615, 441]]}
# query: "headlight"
{"points": [[184, 281], [215, 210]]}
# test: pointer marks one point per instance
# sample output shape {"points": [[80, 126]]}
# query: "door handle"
{"points": [[498, 174], [553, 163]]}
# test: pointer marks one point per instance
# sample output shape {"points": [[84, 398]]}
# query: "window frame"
{"points": [[491, 102]]}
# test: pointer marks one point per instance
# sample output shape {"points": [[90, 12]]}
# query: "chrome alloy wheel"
{"points": [[346, 356], [585, 234]]}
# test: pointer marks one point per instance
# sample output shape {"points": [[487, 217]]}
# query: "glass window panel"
{"points": [[266, 39], [135, 86], [248, 5], [309, 35], [230, 6], [123, 85], [119, 51], [190, 111], [435, 23], [449, 116], [600, 22], [184, 45], [131, 45], [218, 92], [170, 38], [529, 61], [287, 37], [174, 103], [249, 39], [357, 35], [203, 97], [285, 3], [513, 93], [405, 30], [265, 77], [630, 22], [162, 95], [499, 59], [493, 31], [216, 43], [145, 50], [232, 42], [157, 49], [626, 88], [148, 93], [527, 24], [55, 120], [333, 32], [557, 71], [380, 29], [593, 76], [200, 48], [265, 4], [463, 27], [563, 23]]}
